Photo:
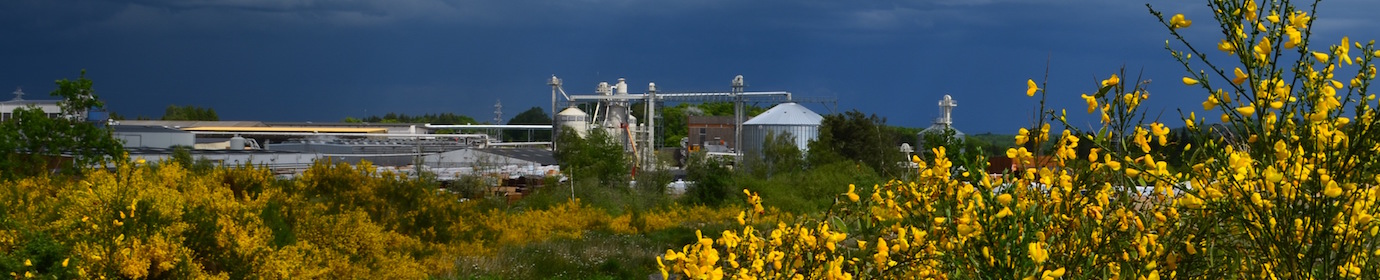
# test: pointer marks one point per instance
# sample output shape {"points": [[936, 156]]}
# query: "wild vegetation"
{"points": [[1285, 187], [336, 221], [35, 143]]}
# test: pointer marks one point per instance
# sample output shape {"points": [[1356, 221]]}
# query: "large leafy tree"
{"points": [[535, 115], [596, 155], [855, 137], [34, 143], [442, 118], [713, 180]]}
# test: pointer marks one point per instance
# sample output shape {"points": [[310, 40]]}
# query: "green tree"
{"points": [[595, 156], [535, 115], [34, 143], [853, 136], [780, 155], [713, 180], [182, 155], [189, 113], [442, 118], [672, 125], [904, 134]]}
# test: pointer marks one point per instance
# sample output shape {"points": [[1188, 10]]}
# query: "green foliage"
{"points": [[183, 156], [713, 181], [44, 255], [535, 115], [905, 134], [276, 220], [959, 149], [672, 125], [810, 191], [596, 156], [992, 144], [780, 155], [33, 143], [442, 118], [651, 186], [189, 113], [592, 256], [858, 138], [469, 186]]}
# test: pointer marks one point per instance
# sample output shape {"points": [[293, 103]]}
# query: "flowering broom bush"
{"points": [[335, 221], [1284, 187]]}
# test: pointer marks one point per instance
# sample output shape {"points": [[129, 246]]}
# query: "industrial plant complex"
{"points": [[454, 150]]}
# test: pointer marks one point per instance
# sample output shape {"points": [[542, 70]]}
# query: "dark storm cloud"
{"points": [[323, 60]]}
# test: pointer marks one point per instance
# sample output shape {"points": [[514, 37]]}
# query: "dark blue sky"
{"points": [[305, 60]]}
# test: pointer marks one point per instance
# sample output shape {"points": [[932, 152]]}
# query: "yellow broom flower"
{"points": [[1178, 21], [1031, 87]]}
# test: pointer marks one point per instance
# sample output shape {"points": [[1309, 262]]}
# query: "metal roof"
{"points": [[28, 102], [539, 156], [287, 129], [786, 114], [343, 124], [191, 123], [144, 129]]}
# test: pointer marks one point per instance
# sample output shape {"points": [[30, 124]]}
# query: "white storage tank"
{"points": [[572, 118], [784, 118], [236, 143]]}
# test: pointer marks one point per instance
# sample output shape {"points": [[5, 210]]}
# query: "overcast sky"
{"points": [[323, 60]]}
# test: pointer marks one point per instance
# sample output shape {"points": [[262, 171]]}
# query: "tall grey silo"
{"points": [[784, 118]]}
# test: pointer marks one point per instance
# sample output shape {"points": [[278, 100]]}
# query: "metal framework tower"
{"points": [[738, 119], [498, 112]]}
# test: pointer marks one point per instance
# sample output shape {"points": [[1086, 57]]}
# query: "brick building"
{"points": [[707, 131]]}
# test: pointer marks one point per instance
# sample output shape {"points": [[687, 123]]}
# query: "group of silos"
{"points": [[612, 115], [785, 118]]}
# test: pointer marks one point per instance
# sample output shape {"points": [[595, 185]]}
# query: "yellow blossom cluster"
{"points": [[335, 221], [1286, 186]]}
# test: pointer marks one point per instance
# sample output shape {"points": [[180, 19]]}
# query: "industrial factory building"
{"points": [[138, 136], [507, 162], [49, 107], [290, 147]]}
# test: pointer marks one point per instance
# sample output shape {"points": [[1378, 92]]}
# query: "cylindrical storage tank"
{"points": [[792, 118], [572, 118], [236, 143], [629, 135]]}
